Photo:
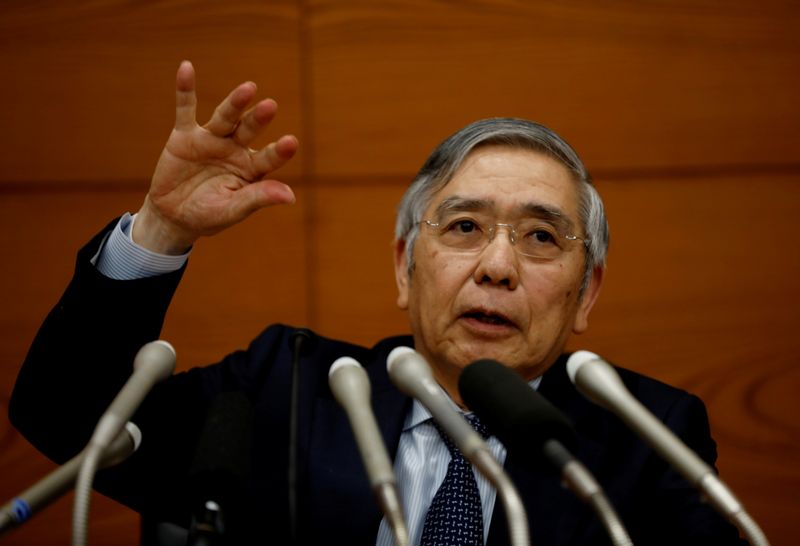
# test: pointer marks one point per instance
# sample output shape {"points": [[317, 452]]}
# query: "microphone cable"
{"points": [[300, 343]]}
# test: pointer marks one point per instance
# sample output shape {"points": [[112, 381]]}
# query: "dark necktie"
{"points": [[455, 517]]}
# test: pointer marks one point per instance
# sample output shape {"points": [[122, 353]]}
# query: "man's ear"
{"points": [[587, 301], [401, 273]]}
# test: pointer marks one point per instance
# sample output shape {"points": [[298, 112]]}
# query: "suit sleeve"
{"points": [[83, 353]]}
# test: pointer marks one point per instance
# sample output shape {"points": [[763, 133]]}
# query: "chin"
{"points": [[488, 351]]}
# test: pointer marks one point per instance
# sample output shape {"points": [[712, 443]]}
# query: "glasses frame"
{"points": [[491, 231]]}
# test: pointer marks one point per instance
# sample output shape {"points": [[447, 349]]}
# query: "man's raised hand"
{"points": [[208, 178]]}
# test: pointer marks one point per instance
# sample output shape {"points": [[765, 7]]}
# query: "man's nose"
{"points": [[498, 263]]}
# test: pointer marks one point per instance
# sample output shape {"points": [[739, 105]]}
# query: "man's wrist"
{"points": [[122, 259], [151, 232]]}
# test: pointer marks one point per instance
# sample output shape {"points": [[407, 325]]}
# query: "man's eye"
{"points": [[464, 226], [541, 236]]}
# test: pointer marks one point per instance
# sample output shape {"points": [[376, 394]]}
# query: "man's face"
{"points": [[496, 303]]}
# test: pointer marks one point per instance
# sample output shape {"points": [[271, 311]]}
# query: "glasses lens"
{"points": [[532, 237], [539, 240], [462, 232]]}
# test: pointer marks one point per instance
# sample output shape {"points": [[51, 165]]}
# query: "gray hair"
{"points": [[446, 159]]}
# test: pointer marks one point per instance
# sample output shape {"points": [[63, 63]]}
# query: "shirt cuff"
{"points": [[121, 259]]}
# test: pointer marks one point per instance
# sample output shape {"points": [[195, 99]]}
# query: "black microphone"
{"points": [[22, 507], [517, 414], [221, 468], [530, 426]]}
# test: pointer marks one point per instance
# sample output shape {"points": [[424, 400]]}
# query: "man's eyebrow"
{"points": [[548, 213], [455, 203], [552, 214]]}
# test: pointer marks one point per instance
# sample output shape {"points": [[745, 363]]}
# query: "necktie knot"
{"points": [[478, 425], [473, 420]]}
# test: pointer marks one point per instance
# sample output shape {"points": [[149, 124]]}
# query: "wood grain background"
{"points": [[685, 111]]}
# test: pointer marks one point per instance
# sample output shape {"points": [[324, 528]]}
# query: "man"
{"points": [[500, 251]]}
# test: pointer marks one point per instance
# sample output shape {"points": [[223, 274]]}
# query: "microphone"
{"points": [[22, 507], [154, 362], [350, 385], [531, 427], [220, 468], [412, 375], [599, 382]]}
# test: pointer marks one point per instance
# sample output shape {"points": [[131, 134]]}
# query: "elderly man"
{"points": [[500, 252]]}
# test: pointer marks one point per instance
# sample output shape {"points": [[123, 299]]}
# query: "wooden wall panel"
{"points": [[632, 85], [686, 112], [88, 87], [238, 282], [352, 236]]}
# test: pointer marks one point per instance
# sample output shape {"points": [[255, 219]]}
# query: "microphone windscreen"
{"points": [[521, 418], [221, 464]]}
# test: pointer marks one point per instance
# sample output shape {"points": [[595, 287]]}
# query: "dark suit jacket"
{"points": [[81, 357]]}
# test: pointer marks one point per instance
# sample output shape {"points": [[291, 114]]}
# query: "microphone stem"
{"points": [[83, 494], [611, 522], [389, 501], [291, 471], [515, 510], [718, 494], [580, 481], [6, 522], [750, 528]]}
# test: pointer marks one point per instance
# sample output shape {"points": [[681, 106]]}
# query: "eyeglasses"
{"points": [[532, 237]]}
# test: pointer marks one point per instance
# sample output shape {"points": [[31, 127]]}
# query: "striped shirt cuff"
{"points": [[121, 259]]}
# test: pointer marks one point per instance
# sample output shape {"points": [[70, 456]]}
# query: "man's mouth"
{"points": [[488, 317]]}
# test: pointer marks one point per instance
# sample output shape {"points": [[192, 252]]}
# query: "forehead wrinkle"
{"points": [[456, 203]]}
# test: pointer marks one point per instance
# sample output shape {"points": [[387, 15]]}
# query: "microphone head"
{"points": [[123, 446], [135, 434], [576, 361], [407, 369], [348, 381], [521, 418], [158, 357], [397, 355], [343, 362]]}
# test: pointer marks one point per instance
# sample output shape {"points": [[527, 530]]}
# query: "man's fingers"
{"points": [[254, 120], [273, 156], [260, 194], [227, 115], [185, 98]]}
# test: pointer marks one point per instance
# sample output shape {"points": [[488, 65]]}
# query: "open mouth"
{"points": [[489, 318]]}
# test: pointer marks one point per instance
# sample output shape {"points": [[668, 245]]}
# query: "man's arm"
{"points": [[206, 179]]}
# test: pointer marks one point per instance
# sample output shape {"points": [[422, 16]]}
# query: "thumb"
{"points": [[258, 195]]}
